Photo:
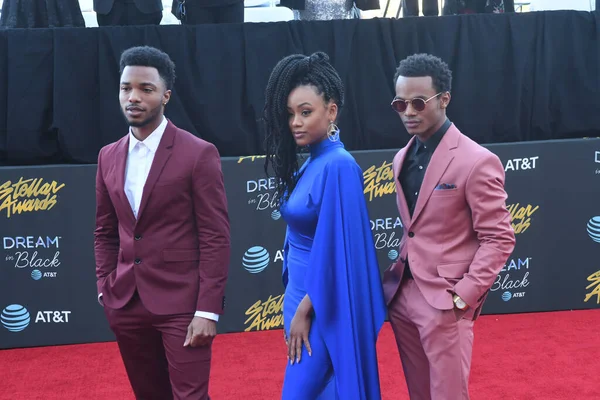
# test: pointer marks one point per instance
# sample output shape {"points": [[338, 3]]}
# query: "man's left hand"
{"points": [[201, 332]]}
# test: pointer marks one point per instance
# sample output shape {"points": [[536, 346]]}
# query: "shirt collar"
{"points": [[151, 141], [435, 139]]}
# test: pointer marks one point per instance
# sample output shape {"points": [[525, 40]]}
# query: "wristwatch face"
{"points": [[460, 303]]}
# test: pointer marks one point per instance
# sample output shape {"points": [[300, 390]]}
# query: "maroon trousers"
{"points": [[157, 364]]}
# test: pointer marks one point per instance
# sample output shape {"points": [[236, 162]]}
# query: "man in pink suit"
{"points": [[162, 238], [457, 235]]}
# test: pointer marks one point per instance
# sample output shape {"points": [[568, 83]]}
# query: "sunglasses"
{"points": [[400, 105]]}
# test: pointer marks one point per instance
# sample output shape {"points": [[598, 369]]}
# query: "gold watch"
{"points": [[459, 303]]}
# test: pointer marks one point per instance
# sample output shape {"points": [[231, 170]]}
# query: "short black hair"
{"points": [[291, 72], [146, 56], [422, 64]]}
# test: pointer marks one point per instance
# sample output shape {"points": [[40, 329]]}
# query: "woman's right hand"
{"points": [[299, 331]]}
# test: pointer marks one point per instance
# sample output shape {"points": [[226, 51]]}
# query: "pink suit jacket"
{"points": [[458, 239], [176, 254]]}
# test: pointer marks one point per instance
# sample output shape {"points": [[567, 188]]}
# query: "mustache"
{"points": [[134, 107]]}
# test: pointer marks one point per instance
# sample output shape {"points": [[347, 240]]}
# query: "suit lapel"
{"points": [[402, 204], [163, 153], [441, 158], [120, 170]]}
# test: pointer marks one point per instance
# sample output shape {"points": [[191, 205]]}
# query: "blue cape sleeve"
{"points": [[345, 284]]}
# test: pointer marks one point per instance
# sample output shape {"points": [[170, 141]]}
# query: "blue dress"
{"points": [[329, 254]]}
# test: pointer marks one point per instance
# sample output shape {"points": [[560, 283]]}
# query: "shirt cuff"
{"points": [[207, 315]]}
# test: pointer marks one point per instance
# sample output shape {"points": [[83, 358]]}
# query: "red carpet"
{"points": [[522, 357]]}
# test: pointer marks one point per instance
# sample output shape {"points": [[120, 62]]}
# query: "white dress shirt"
{"points": [[139, 161]]}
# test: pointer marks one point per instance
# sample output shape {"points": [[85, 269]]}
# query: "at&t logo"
{"points": [[593, 229], [56, 317], [520, 164], [506, 296], [15, 318], [256, 259]]}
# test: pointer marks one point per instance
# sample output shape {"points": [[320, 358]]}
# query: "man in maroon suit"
{"points": [[162, 238], [457, 235]]}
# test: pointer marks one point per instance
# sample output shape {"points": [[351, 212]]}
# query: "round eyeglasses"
{"points": [[418, 104]]}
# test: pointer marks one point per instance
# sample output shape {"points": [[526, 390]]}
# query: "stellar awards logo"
{"points": [[28, 195], [265, 315], [379, 181]]}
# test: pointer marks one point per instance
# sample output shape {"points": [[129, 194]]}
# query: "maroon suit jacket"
{"points": [[176, 254]]}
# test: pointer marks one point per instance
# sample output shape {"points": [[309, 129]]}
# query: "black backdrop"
{"points": [[517, 77], [47, 261]]}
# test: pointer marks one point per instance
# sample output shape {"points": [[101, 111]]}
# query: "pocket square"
{"points": [[445, 186]]}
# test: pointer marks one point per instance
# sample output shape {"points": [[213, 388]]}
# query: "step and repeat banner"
{"points": [[47, 218]]}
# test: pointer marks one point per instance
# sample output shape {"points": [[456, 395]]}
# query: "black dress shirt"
{"points": [[413, 170]]}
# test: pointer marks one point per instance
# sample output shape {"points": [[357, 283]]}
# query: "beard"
{"points": [[152, 116], [139, 124]]}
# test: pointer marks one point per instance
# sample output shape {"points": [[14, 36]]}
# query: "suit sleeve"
{"points": [[212, 221], [106, 234], [486, 197]]}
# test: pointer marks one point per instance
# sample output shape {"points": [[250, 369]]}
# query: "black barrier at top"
{"points": [[47, 279], [58, 87]]}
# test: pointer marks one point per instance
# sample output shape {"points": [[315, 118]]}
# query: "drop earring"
{"points": [[333, 132]]}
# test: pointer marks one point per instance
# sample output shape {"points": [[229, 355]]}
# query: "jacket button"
{"points": [[137, 237], [138, 261], [411, 234]]}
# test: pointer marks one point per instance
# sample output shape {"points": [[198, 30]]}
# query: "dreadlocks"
{"points": [[289, 73]]}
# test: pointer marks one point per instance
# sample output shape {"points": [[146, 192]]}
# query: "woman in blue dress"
{"points": [[333, 305]]}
